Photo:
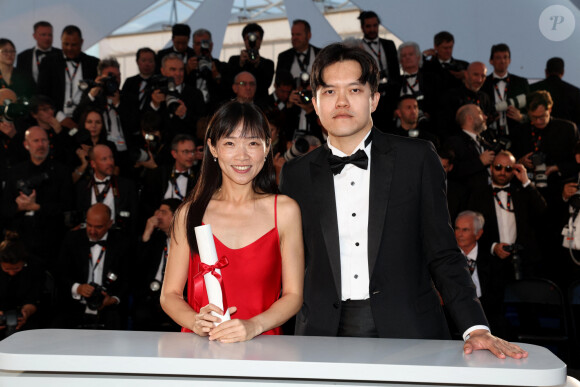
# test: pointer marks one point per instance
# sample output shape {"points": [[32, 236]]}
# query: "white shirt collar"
{"points": [[337, 152]]}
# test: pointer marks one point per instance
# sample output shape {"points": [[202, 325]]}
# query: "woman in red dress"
{"points": [[259, 231]]}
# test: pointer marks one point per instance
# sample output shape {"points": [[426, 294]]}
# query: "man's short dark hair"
{"points": [[39, 100], [202, 31], [555, 65], [144, 50], [501, 47], [71, 30], [179, 138], [306, 24], [41, 23], [404, 98], [252, 27], [284, 78], [364, 15], [180, 30], [539, 98], [442, 37], [172, 203], [338, 52], [107, 62]]}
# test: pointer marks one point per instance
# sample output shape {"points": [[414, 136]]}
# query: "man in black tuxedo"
{"points": [[170, 181], [211, 76], [179, 110], [377, 240], [135, 89], [471, 158], [118, 193], [37, 194], [29, 60], [91, 257], [153, 250], [251, 61], [385, 53], [468, 93], [502, 86], [59, 75], [407, 123], [442, 63], [513, 211], [566, 97], [180, 38]]}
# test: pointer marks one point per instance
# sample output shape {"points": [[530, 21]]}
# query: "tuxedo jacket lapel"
{"points": [[382, 166], [323, 190]]}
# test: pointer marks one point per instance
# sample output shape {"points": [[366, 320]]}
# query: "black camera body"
{"points": [[26, 186], [514, 249], [11, 111], [96, 299], [109, 85], [253, 52]]}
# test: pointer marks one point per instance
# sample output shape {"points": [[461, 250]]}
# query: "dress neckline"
{"points": [[248, 245]]}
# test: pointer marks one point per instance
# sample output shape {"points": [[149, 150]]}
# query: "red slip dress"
{"points": [[252, 279]]}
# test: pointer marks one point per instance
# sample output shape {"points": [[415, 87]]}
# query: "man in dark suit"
{"points": [[566, 97], [118, 193], [135, 89], [180, 38], [513, 211], [98, 255], [408, 124], [377, 240], [502, 86], [298, 59], [251, 61], [146, 280], [179, 109], [29, 60], [385, 53], [449, 69], [59, 75]]}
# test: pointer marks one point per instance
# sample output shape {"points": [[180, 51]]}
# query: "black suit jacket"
{"points": [[73, 266], [25, 59], [286, 58], [52, 78], [467, 167], [448, 81], [566, 97], [392, 58], [411, 243], [263, 73], [150, 255], [517, 85]]}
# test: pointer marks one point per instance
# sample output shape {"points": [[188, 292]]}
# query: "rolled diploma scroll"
{"points": [[208, 255]]}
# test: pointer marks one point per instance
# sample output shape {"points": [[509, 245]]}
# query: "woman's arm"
{"points": [[174, 280], [292, 249]]}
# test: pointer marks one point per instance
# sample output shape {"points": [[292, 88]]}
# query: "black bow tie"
{"points": [[337, 163], [407, 76], [102, 243], [371, 42], [184, 174], [498, 80], [102, 182], [74, 60], [498, 189]]}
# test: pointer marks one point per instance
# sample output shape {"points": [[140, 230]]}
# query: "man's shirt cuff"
{"points": [[474, 328]]}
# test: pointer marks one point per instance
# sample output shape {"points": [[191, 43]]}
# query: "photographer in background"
{"points": [[104, 93], [93, 274], [513, 209], [545, 145], [21, 281], [38, 192], [180, 39], [212, 77], [250, 60], [11, 152], [179, 105]]}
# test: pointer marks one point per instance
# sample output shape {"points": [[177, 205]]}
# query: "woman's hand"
{"points": [[204, 320], [235, 331]]}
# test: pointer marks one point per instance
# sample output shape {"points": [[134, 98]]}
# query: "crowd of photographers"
{"points": [[92, 170]]}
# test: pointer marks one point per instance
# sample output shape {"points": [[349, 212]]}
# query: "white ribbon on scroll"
{"points": [[208, 255]]}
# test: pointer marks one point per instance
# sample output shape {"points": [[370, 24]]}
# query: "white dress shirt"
{"points": [[181, 186], [378, 49], [109, 200], [72, 93], [474, 276], [351, 189]]}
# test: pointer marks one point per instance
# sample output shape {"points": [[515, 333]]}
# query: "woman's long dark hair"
{"points": [[223, 123]]}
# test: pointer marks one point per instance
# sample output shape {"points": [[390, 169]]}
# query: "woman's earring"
{"points": [[215, 159]]}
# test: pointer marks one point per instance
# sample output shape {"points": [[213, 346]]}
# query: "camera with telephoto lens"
{"points": [[11, 111], [204, 62], [109, 84], [96, 299], [495, 144], [9, 320], [152, 144], [519, 102], [253, 53], [300, 146], [26, 186], [539, 161], [514, 250], [166, 85]]}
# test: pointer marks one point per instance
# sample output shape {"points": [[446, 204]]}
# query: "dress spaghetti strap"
{"points": [[276, 211]]}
